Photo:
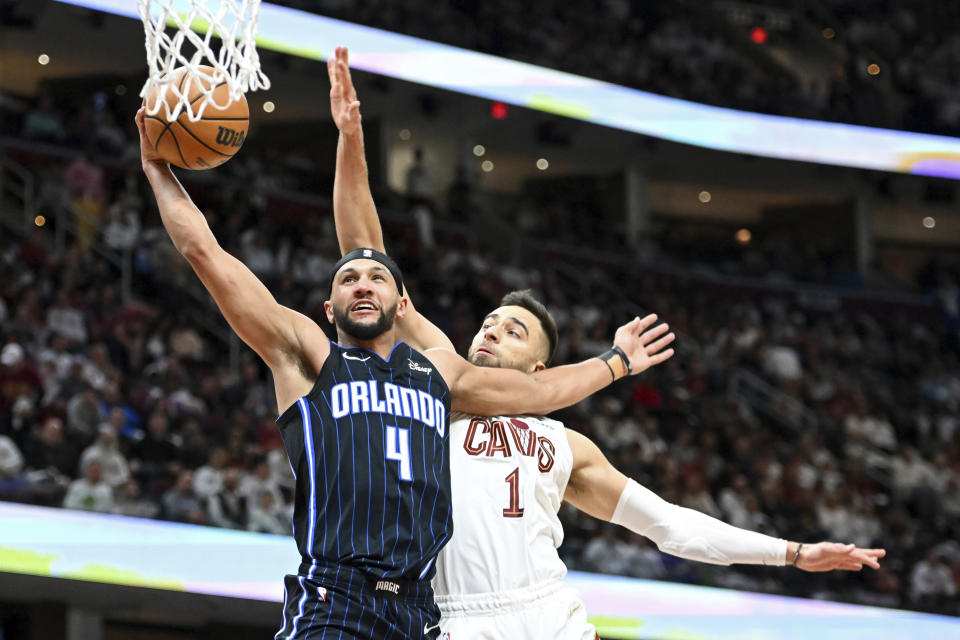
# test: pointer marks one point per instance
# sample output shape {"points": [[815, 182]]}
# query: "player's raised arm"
{"points": [[597, 488], [499, 391], [354, 211], [273, 331]]}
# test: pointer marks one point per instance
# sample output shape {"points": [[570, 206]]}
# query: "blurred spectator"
{"points": [[48, 448], [607, 553], [90, 493], [208, 479], [186, 343], [155, 458], [910, 472], [11, 460], [57, 356], [83, 408], [266, 516], [85, 182], [106, 452], [228, 507], [18, 376], [419, 181], [645, 559], [931, 582], [85, 178], [130, 502], [181, 503], [65, 320], [262, 481], [282, 474], [695, 496], [122, 228]]}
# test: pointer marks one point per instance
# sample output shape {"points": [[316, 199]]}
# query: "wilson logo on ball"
{"points": [[229, 137]]}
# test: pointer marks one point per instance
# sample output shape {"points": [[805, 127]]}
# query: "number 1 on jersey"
{"points": [[514, 510], [398, 448]]}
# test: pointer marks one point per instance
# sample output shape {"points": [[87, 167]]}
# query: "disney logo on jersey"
{"points": [[489, 439], [416, 366]]}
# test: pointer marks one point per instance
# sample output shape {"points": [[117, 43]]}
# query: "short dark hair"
{"points": [[524, 298]]}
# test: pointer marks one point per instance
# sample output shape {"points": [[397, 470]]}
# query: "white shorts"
{"points": [[546, 611]]}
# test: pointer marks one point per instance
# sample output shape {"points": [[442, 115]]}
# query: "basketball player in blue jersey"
{"points": [[365, 424], [501, 575]]}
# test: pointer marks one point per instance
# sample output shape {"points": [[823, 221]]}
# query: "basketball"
{"points": [[208, 142]]}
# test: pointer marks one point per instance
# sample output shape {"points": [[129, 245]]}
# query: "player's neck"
{"points": [[382, 345]]}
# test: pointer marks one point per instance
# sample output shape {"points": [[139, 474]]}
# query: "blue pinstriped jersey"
{"points": [[369, 448]]}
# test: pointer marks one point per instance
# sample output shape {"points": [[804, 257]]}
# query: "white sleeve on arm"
{"points": [[693, 535]]}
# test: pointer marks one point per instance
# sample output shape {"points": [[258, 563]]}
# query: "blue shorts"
{"points": [[348, 606]]}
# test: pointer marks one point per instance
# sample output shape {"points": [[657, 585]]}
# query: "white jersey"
{"points": [[508, 476]]}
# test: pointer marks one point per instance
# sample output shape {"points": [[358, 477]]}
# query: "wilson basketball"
{"points": [[210, 141]]}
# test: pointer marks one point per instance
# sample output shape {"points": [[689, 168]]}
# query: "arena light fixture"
{"points": [[415, 60]]}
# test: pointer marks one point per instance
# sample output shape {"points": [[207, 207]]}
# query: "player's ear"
{"points": [[328, 309], [538, 366], [402, 306]]}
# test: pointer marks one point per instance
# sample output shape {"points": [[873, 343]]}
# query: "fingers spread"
{"points": [[646, 322], [659, 344], [661, 357], [648, 336]]}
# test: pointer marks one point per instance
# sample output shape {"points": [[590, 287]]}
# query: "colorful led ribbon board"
{"points": [[61, 543], [311, 36]]}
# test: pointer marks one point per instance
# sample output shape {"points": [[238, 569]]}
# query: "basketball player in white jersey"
{"points": [[500, 576]]}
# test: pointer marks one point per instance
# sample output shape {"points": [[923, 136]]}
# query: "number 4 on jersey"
{"points": [[398, 448]]}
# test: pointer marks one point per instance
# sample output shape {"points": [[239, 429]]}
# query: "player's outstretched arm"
{"points": [[270, 329], [494, 391], [354, 211], [597, 488]]}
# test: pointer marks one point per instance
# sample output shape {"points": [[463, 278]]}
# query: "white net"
{"points": [[190, 43]]}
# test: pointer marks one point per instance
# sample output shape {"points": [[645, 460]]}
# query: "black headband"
{"points": [[369, 254]]}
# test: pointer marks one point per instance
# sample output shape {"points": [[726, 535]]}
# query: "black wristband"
{"points": [[623, 356], [616, 360], [796, 556], [607, 362]]}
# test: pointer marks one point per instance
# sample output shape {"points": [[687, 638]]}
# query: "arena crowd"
{"points": [[804, 416]]}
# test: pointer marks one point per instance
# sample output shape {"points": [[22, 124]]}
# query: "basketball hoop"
{"points": [[196, 24]]}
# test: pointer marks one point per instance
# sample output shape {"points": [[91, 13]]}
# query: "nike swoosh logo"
{"points": [[349, 357], [427, 629]]}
